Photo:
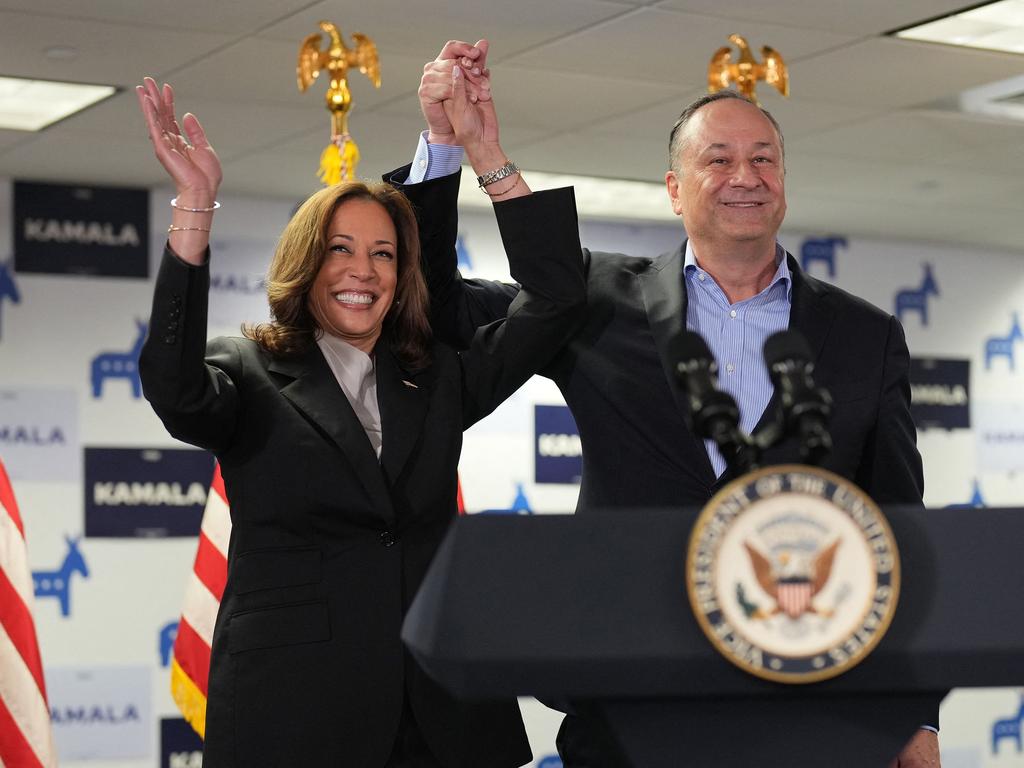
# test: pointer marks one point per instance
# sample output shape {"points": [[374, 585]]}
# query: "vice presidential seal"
{"points": [[793, 573]]}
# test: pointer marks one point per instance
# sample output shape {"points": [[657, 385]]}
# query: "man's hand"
{"points": [[473, 121], [436, 85], [922, 751]]}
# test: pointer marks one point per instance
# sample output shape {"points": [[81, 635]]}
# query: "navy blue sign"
{"points": [[180, 746], [940, 393], [557, 449], [62, 229], [134, 492]]}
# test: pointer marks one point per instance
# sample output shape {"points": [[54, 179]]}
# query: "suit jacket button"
{"points": [[170, 339], [388, 539]]}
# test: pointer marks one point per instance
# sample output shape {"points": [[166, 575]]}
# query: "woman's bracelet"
{"points": [[214, 207], [173, 228], [518, 181]]}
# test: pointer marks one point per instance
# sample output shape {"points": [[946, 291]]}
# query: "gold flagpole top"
{"points": [[338, 161], [746, 71]]}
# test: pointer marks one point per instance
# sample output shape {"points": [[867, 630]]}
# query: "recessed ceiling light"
{"points": [[31, 105], [61, 53], [997, 26], [1001, 99]]}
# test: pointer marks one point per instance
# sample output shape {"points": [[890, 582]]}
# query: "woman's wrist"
{"points": [[192, 213]]}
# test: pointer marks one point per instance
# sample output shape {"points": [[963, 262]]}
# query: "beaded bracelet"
{"points": [[214, 207]]}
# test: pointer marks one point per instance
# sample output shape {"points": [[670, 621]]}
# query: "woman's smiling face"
{"points": [[355, 286]]}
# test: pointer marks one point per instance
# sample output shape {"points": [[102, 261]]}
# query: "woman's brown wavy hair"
{"points": [[297, 260]]}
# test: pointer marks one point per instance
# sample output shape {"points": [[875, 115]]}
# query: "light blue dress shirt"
{"points": [[735, 334]]}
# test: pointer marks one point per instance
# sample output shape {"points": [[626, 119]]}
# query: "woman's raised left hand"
{"points": [[186, 154]]}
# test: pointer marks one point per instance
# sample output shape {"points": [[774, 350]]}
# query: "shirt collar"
{"points": [[782, 272], [349, 363]]}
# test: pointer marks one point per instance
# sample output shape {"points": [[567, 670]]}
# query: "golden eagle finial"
{"points": [[339, 159], [745, 72]]}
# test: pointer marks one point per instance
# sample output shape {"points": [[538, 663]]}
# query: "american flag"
{"points": [[190, 662], [794, 597], [26, 739]]}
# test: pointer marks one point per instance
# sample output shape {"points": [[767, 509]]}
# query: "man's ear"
{"points": [[672, 185]]}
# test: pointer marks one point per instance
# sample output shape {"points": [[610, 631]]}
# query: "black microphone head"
{"points": [[686, 346], [786, 345]]}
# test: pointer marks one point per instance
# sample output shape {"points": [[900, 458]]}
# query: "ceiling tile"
{"points": [[114, 54], [864, 17], [664, 46], [422, 30], [886, 72], [183, 15]]}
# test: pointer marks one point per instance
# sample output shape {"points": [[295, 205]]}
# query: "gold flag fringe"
{"points": [[338, 160]]}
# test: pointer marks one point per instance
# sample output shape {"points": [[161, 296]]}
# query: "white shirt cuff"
{"points": [[432, 161]]}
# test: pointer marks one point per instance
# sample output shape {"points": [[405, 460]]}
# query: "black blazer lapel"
{"points": [[664, 292], [403, 403], [811, 314], [315, 392]]}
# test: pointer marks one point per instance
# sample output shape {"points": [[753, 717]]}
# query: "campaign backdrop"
{"points": [[111, 523]]}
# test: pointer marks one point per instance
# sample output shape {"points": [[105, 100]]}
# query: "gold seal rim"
{"points": [[708, 513]]}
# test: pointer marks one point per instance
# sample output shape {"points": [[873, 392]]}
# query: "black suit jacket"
{"points": [[616, 375], [328, 545]]}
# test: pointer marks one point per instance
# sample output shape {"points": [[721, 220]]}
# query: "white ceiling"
{"points": [[586, 87]]}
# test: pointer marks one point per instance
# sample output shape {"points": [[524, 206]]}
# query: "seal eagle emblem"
{"points": [[793, 573]]}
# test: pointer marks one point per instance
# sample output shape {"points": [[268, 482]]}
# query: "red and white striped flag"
{"points": [[190, 665], [26, 739]]}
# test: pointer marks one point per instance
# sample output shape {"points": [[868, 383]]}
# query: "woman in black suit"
{"points": [[338, 427]]}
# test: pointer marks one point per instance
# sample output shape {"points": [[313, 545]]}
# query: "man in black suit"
{"points": [[726, 181]]}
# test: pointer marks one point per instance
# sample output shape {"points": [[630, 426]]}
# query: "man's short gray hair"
{"points": [[675, 138]]}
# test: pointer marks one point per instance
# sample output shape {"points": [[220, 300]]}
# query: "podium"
{"points": [[592, 610]]}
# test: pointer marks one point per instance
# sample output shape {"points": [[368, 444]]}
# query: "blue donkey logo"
{"points": [[8, 290], [120, 365], [58, 583], [520, 505], [462, 253], [821, 249], [1003, 346], [916, 299], [1009, 728], [977, 500], [168, 634]]}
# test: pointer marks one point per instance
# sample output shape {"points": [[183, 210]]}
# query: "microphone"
{"points": [[713, 414], [805, 408]]}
